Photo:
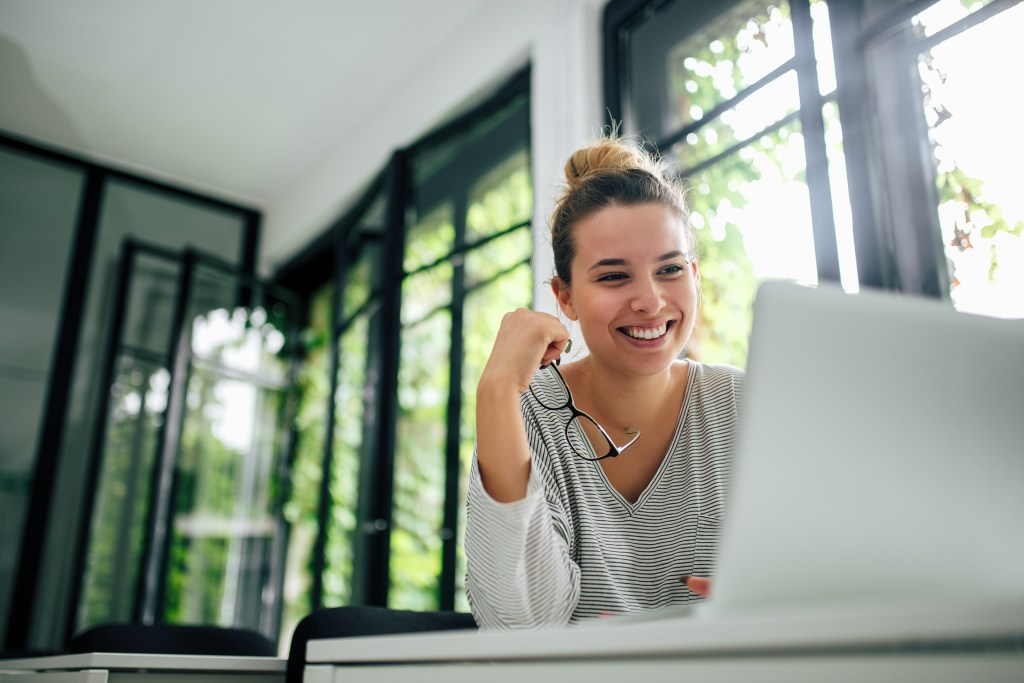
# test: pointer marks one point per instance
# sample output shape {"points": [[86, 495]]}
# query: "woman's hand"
{"points": [[526, 340], [697, 584]]}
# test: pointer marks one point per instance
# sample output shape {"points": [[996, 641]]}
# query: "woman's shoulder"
{"points": [[716, 372], [716, 379]]}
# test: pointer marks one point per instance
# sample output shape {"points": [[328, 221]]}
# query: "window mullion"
{"points": [[812, 123], [454, 414]]}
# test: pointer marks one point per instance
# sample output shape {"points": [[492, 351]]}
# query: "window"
{"points": [[185, 507], [730, 95], [959, 52], [466, 262], [820, 141], [412, 285], [54, 393]]}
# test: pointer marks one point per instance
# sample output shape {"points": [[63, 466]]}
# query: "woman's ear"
{"points": [[696, 278], [563, 294]]}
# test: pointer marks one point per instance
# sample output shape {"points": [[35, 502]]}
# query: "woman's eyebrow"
{"points": [[605, 262], [608, 262]]}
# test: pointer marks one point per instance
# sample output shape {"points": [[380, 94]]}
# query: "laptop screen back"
{"points": [[880, 455]]}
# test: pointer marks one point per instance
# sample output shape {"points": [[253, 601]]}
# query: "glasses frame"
{"points": [[614, 450]]}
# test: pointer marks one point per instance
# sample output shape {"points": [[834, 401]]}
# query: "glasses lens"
{"points": [[600, 445]]}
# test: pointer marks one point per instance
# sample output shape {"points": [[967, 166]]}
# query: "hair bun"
{"points": [[611, 171], [608, 154]]}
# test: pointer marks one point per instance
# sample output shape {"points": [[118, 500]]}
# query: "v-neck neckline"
{"points": [[648, 490]]}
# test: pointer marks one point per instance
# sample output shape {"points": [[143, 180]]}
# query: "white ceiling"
{"points": [[239, 98]]}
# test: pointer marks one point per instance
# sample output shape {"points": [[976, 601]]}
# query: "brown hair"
{"points": [[610, 171]]}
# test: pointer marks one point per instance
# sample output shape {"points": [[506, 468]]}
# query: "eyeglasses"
{"points": [[593, 431]]}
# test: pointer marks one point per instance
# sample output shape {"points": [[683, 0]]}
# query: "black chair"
{"points": [[348, 622], [173, 639]]}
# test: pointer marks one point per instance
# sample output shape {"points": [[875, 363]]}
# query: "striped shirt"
{"points": [[575, 548]]}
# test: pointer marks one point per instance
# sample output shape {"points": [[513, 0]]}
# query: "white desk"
{"points": [[112, 667], [936, 644]]}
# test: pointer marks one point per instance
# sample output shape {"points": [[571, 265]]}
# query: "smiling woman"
{"points": [[633, 284], [556, 532]]}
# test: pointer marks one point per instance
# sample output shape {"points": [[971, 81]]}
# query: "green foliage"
{"points": [[115, 544], [310, 426], [227, 493], [707, 69], [503, 198], [419, 463], [713, 64], [967, 195], [500, 199], [964, 208], [350, 406], [226, 488], [430, 239]]}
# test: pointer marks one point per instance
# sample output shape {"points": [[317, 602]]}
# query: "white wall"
{"points": [[560, 39]]}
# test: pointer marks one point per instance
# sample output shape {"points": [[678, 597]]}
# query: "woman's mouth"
{"points": [[646, 333]]}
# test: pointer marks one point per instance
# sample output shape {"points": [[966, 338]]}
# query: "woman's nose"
{"points": [[647, 297]]}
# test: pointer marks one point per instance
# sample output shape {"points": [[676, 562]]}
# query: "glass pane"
{"points": [[39, 201], [498, 256], [501, 199], [14, 495], [973, 118], [420, 464], [138, 399], [751, 215], [432, 238], [149, 309], [225, 531], [241, 339], [351, 402], [358, 282], [841, 209], [945, 13], [484, 309], [748, 118], [823, 54], [426, 292], [744, 44], [225, 520], [226, 524], [161, 218], [310, 425], [38, 209]]}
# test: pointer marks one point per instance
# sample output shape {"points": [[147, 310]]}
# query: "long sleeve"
{"points": [[519, 574]]}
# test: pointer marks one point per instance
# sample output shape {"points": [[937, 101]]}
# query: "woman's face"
{"points": [[634, 287]]}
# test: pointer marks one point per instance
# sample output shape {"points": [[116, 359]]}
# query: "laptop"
{"points": [[880, 457], [879, 463]]}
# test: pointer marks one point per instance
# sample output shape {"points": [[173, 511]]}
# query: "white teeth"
{"points": [[646, 332]]}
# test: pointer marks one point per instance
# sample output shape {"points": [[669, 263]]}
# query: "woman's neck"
{"points": [[622, 400]]}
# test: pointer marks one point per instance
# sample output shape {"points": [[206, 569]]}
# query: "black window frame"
{"points": [[325, 260], [22, 610], [896, 231]]}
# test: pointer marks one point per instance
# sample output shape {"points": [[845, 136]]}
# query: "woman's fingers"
{"points": [[526, 340], [555, 350], [697, 584]]}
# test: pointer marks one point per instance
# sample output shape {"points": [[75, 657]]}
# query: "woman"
{"points": [[567, 520]]}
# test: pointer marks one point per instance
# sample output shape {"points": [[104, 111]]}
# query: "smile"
{"points": [[646, 332]]}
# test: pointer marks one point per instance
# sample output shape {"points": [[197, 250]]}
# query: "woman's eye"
{"points": [[611, 277], [674, 269]]}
